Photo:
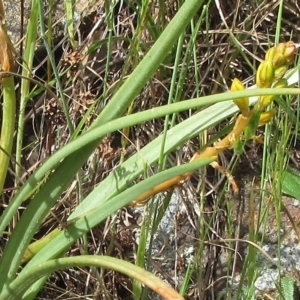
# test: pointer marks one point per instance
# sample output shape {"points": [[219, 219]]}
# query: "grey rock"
{"points": [[13, 13]]}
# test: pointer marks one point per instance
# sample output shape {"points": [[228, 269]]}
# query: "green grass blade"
{"points": [[117, 105], [69, 8], [8, 126], [29, 50], [88, 220], [141, 74], [54, 186], [24, 281], [191, 127]]}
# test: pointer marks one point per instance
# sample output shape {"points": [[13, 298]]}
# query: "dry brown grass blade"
{"points": [[6, 47], [6, 53]]}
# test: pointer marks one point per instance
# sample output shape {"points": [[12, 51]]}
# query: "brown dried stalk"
{"points": [[6, 47]]}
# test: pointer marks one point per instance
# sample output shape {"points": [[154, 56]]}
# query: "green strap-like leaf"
{"points": [[24, 281], [291, 183]]}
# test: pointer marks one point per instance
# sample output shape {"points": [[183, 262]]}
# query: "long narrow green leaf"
{"points": [[29, 50], [152, 60], [219, 111], [17, 288], [70, 165], [291, 183], [8, 126], [91, 218], [45, 198], [69, 8]]}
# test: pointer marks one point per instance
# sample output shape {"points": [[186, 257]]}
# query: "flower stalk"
{"points": [[269, 74]]}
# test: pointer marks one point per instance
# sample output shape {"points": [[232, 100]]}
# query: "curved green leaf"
{"points": [[83, 223], [16, 289], [291, 183]]}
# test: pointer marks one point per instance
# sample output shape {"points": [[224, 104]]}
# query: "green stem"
{"points": [[29, 50], [8, 126]]}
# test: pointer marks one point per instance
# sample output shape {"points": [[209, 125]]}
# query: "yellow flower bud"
{"points": [[270, 54], [280, 48], [265, 74], [290, 51], [285, 53], [242, 103], [264, 101], [282, 54], [280, 71], [281, 83], [266, 117], [279, 60]]}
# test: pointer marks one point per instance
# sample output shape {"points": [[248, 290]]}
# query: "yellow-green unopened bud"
{"points": [[265, 74], [285, 53], [279, 60], [282, 54], [242, 103], [266, 117], [280, 72], [270, 54], [281, 83], [280, 48], [264, 101]]}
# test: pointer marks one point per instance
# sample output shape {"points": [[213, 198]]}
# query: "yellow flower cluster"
{"points": [[269, 74]]}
